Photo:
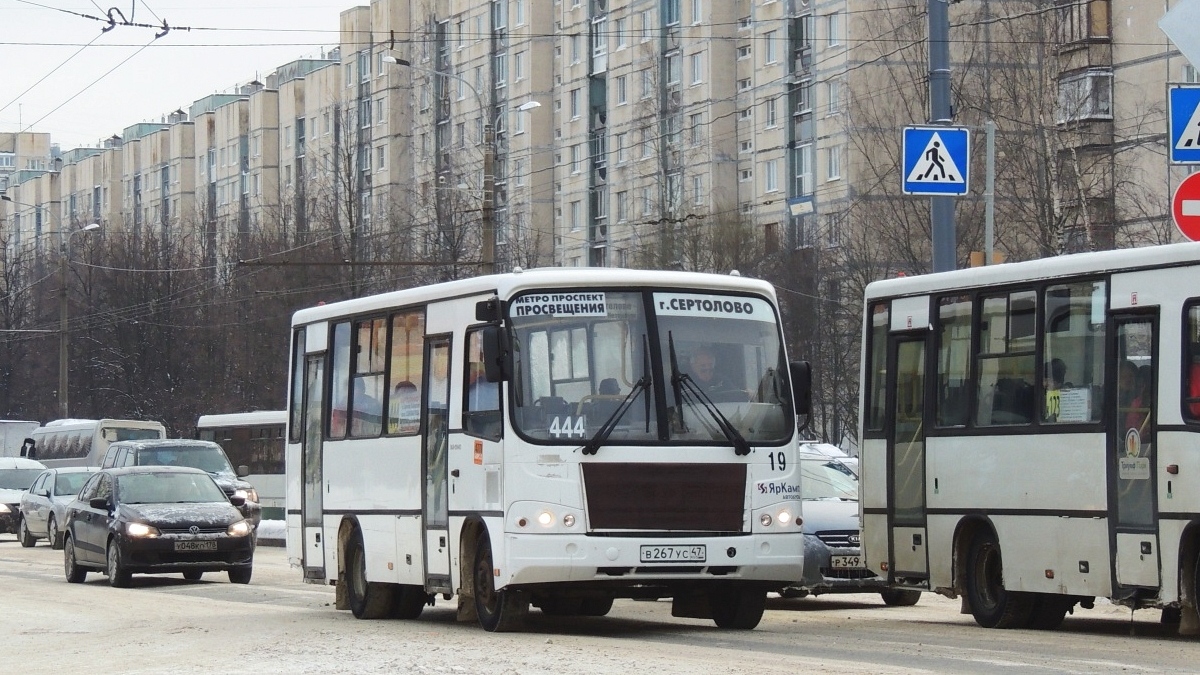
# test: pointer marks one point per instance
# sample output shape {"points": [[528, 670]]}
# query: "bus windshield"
{"points": [[580, 356], [127, 434]]}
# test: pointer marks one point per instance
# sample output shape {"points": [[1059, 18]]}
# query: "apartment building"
{"points": [[23, 151]]}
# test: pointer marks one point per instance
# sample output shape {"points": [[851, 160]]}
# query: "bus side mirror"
{"points": [[801, 372], [496, 356], [490, 310]]}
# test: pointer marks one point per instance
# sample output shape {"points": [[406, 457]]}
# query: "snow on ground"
{"points": [[272, 530]]}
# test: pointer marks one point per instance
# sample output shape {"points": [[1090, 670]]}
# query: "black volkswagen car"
{"points": [[152, 520]]}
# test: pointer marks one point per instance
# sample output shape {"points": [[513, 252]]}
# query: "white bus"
{"points": [[253, 440], [1031, 434], [541, 438], [77, 442]]}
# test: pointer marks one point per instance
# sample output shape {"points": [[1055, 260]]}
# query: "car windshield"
{"points": [[69, 483], [167, 488], [126, 434], [205, 458], [18, 479], [825, 478]]}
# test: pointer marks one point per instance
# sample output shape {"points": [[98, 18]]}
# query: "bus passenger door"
{"points": [[311, 505], [436, 450], [1132, 510], [906, 461]]}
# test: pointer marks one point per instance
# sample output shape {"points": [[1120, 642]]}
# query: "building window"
{"points": [[518, 66], [697, 190], [743, 52], [697, 11], [575, 104], [833, 92], [622, 89], [746, 146], [833, 29], [804, 170], [744, 84], [670, 12], [647, 143], [771, 51], [1082, 20], [771, 113], [501, 69], [697, 61], [696, 124], [647, 25], [672, 62], [647, 202], [380, 114], [745, 175], [1086, 95], [576, 216], [834, 165], [575, 48], [576, 161], [771, 176], [619, 143], [619, 28], [622, 206], [746, 114], [744, 23], [647, 83]]}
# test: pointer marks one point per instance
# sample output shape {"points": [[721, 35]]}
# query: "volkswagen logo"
{"points": [[854, 539], [195, 529]]}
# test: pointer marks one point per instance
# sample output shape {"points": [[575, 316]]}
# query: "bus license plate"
{"points": [[846, 562], [204, 545], [671, 554]]}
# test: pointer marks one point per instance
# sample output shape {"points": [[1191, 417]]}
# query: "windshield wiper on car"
{"points": [[686, 390], [643, 384]]}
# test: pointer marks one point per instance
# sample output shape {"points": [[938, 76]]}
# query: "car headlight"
{"points": [[239, 529], [4, 508], [249, 494], [141, 530]]}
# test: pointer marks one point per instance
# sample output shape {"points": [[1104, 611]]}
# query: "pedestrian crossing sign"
{"points": [[936, 161], [1183, 102]]}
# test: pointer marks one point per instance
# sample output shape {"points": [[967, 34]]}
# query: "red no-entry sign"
{"points": [[1185, 207]]}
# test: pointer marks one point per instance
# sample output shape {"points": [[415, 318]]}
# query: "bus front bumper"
{"points": [[633, 560]]}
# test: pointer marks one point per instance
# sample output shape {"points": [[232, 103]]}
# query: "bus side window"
{"points": [[481, 399], [1191, 408]]}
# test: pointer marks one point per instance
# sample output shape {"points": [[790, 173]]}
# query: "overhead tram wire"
{"points": [[54, 70]]}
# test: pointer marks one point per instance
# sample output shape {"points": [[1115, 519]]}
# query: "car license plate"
{"points": [[202, 545], [845, 562], [672, 554]]}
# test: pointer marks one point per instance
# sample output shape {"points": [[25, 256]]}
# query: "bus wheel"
{"points": [[738, 609], [1049, 610], [991, 604], [499, 611], [409, 602], [367, 600]]}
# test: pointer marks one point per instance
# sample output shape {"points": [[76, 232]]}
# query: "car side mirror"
{"points": [[99, 503], [237, 500], [243, 471]]}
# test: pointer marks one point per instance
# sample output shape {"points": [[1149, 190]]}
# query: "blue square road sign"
{"points": [[936, 161]]}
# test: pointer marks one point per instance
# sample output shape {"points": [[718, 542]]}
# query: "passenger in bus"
{"points": [[367, 417], [404, 408], [482, 394], [1056, 375], [439, 382], [1133, 389]]}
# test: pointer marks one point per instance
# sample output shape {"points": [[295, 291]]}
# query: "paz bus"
{"points": [[541, 438], [253, 440], [1031, 434], [80, 442]]}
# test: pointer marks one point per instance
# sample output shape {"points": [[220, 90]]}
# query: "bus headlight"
{"points": [[545, 519], [141, 530], [784, 517], [765, 519], [569, 520]]}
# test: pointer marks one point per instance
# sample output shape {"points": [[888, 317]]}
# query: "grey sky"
{"points": [[171, 73]]}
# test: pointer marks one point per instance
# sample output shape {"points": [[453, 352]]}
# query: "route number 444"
{"points": [[563, 426]]}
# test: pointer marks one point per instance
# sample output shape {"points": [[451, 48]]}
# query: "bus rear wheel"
{"points": [[499, 611], [992, 605], [367, 600], [738, 609]]}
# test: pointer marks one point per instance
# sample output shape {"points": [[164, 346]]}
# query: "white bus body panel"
{"points": [[1137, 559], [291, 468]]}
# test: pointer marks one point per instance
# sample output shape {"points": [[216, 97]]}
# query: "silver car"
{"points": [[44, 504], [833, 558]]}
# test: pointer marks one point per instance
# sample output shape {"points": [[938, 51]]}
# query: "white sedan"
{"points": [[44, 504]]}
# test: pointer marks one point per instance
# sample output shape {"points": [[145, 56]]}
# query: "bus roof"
{"points": [[1042, 268], [246, 419], [73, 424], [509, 284]]}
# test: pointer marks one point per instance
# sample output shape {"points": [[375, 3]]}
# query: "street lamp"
{"points": [[64, 251], [488, 212]]}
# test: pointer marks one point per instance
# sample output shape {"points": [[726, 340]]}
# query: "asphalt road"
{"points": [[278, 624]]}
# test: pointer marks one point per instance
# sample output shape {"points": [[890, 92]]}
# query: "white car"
{"points": [[16, 475], [44, 504]]}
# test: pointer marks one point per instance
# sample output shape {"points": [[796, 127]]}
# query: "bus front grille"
{"points": [[665, 497]]}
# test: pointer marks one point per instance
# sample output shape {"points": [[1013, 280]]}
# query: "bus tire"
{"points": [[900, 597], [1049, 610], [499, 611], [738, 609], [367, 600], [409, 602], [991, 604]]}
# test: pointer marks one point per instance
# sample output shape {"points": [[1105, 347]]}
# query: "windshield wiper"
{"points": [[610, 425], [685, 389]]}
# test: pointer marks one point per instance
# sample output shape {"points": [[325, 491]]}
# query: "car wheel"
{"points": [[992, 605], [118, 576], [75, 573], [738, 609], [24, 535], [53, 534], [193, 575], [499, 611], [900, 597], [238, 575], [367, 600]]}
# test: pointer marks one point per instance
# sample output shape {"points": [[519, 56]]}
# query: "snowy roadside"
{"points": [[272, 533]]}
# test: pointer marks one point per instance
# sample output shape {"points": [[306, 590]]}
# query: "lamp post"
{"points": [[64, 259], [488, 211]]}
